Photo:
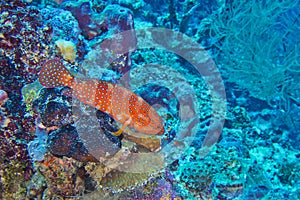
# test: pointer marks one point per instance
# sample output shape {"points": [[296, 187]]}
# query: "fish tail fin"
{"points": [[55, 74]]}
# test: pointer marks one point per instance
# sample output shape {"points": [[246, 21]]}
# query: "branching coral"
{"points": [[258, 45]]}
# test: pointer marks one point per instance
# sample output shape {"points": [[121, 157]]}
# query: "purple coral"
{"points": [[103, 26], [24, 39], [24, 42]]}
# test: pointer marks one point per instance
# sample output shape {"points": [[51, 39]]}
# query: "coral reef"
{"points": [[61, 177], [63, 23], [110, 57], [14, 177], [85, 16], [202, 178], [53, 146], [23, 45], [85, 138], [57, 111], [24, 41], [65, 27]]}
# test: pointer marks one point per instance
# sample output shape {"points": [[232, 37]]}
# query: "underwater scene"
{"points": [[149, 99]]}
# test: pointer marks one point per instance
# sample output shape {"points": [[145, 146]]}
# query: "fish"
{"points": [[123, 105]]}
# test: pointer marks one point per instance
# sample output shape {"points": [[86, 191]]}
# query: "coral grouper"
{"points": [[123, 105]]}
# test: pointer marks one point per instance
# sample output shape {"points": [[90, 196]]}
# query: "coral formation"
{"points": [[65, 142], [23, 45], [37, 147], [110, 57], [53, 146], [65, 27], [85, 16], [61, 177], [53, 107], [67, 49], [24, 41], [56, 111], [243, 31]]}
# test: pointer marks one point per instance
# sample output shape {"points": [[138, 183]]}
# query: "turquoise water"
{"points": [[169, 99]]}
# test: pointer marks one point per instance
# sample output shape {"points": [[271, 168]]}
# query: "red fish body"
{"points": [[120, 103]]}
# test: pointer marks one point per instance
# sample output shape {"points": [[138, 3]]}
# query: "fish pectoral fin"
{"points": [[120, 131]]}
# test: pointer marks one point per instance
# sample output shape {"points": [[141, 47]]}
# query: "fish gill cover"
{"points": [[140, 99]]}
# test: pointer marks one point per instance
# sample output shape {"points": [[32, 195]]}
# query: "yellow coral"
{"points": [[67, 49], [29, 94]]}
